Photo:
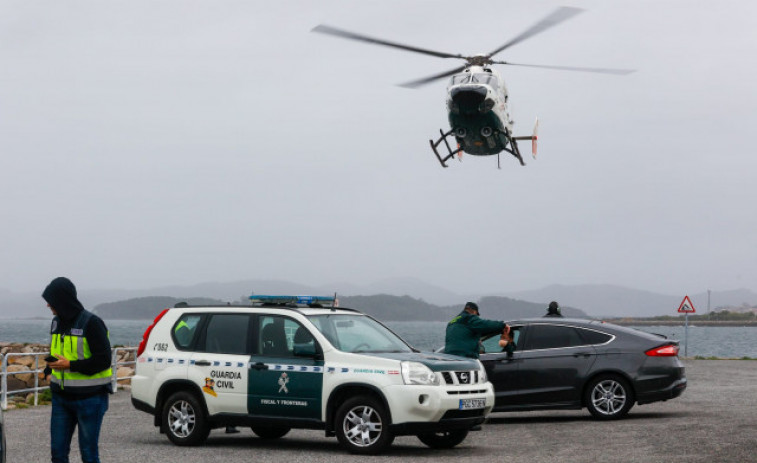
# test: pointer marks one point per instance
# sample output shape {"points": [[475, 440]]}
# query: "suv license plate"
{"points": [[469, 404]]}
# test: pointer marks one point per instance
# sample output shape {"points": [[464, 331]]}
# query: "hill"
{"points": [[382, 306], [608, 301], [145, 308], [405, 308]]}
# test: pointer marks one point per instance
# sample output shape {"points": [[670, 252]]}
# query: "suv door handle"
{"points": [[202, 363], [582, 354], [259, 366]]}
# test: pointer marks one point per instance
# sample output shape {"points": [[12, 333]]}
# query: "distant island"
{"points": [[382, 306], [405, 308]]}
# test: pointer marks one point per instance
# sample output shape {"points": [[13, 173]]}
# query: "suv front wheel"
{"points": [[362, 426], [184, 419]]}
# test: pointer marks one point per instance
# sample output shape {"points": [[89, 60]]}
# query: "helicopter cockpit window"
{"points": [[459, 79], [487, 79]]}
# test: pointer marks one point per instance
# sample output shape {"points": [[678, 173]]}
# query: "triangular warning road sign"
{"points": [[686, 306]]}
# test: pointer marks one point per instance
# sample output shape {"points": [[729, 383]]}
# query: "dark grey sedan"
{"points": [[562, 363]]}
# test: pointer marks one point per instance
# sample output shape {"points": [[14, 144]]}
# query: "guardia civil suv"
{"points": [[288, 362]]}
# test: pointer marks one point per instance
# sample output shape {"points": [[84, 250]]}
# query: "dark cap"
{"points": [[553, 305], [472, 306]]}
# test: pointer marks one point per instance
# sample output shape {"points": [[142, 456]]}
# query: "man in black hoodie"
{"points": [[80, 377]]}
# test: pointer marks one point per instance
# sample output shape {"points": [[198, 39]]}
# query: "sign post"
{"points": [[686, 307]]}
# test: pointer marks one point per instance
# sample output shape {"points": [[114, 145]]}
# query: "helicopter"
{"points": [[477, 97]]}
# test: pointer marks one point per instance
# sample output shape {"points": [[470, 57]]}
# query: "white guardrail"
{"points": [[4, 373]]}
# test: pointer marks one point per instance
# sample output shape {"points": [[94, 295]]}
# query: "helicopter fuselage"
{"points": [[479, 115]]}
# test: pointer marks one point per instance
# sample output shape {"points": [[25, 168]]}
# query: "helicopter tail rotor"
{"points": [[534, 137]]}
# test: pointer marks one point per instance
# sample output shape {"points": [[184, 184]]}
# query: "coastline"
{"points": [[646, 322]]}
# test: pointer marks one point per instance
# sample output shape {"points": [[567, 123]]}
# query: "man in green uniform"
{"points": [[465, 330]]}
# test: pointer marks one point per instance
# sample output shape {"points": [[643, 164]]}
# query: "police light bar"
{"points": [[307, 300]]}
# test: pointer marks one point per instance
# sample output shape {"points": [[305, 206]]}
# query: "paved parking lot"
{"points": [[715, 420]]}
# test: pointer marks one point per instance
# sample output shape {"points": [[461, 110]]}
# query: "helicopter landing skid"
{"points": [[513, 150], [441, 139]]}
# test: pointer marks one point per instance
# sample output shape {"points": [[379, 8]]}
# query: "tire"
{"points": [[443, 439], [608, 397], [270, 432], [184, 420], [362, 426]]}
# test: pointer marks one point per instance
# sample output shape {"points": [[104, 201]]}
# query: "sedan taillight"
{"points": [[668, 350]]}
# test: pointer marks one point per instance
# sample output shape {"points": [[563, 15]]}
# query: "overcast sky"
{"points": [[146, 143]]}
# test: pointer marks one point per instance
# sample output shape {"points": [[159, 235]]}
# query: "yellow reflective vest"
{"points": [[72, 344]]}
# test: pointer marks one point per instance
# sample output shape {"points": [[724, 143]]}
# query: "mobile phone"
{"points": [[50, 359]]}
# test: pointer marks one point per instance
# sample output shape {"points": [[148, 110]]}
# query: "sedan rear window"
{"points": [[552, 337], [593, 337]]}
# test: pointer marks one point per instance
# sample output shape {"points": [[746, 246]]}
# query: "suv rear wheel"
{"points": [[443, 439], [362, 426], [184, 419]]}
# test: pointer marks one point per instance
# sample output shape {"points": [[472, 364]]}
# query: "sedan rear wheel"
{"points": [[608, 397]]}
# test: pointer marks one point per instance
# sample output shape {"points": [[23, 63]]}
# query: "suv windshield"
{"points": [[357, 333]]}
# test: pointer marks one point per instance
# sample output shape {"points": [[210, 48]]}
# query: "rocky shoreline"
{"points": [[25, 371]]}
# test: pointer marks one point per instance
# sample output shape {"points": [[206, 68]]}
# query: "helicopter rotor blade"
{"points": [[324, 29], [427, 80], [621, 72], [556, 17]]}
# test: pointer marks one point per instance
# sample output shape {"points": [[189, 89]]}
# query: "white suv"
{"points": [[288, 362]]}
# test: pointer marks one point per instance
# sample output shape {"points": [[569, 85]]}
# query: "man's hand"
{"points": [[61, 364], [505, 338]]}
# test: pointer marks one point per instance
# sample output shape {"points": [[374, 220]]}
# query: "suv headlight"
{"points": [[481, 373], [418, 373]]}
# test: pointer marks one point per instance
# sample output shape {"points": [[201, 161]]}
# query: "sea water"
{"points": [[704, 341]]}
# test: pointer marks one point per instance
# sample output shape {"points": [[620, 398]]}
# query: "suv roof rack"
{"points": [[294, 301]]}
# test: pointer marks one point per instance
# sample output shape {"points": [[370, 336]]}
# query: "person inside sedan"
{"points": [[506, 341]]}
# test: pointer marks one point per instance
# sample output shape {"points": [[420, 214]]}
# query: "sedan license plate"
{"points": [[470, 404]]}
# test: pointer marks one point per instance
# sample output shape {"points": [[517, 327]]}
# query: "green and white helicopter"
{"points": [[477, 98]]}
